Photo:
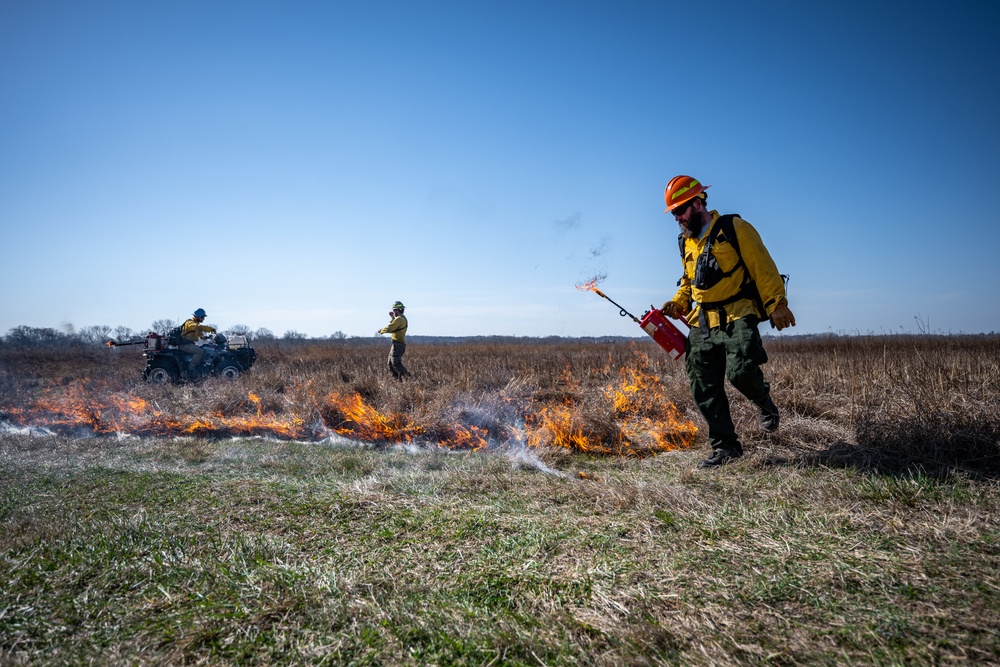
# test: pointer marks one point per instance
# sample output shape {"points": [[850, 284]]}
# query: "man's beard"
{"points": [[691, 228]]}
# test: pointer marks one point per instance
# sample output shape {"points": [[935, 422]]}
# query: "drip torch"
{"points": [[152, 341], [653, 322]]}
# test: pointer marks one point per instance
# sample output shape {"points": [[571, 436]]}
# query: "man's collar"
{"points": [[715, 216]]}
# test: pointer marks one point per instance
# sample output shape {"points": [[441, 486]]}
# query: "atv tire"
{"points": [[230, 371], [160, 371]]}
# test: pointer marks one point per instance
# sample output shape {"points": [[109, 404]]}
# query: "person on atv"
{"points": [[191, 333]]}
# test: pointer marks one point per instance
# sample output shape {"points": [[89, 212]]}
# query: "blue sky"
{"points": [[302, 165]]}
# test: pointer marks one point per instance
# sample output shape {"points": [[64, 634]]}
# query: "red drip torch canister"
{"points": [[663, 332], [153, 341]]}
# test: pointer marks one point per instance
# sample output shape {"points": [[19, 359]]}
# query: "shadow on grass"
{"points": [[894, 447]]}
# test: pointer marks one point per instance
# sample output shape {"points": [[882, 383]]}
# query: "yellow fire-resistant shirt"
{"points": [[397, 328], [757, 261], [192, 331]]}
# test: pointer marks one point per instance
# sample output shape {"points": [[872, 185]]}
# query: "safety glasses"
{"points": [[682, 209]]}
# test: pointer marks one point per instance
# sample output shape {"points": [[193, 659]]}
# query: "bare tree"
{"points": [[163, 326], [238, 330], [123, 332], [97, 333], [35, 336]]}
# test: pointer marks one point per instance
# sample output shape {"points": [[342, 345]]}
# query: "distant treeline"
{"points": [[25, 336], [100, 334]]}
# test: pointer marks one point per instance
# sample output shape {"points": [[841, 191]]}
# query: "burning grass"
{"points": [[890, 404], [628, 416]]}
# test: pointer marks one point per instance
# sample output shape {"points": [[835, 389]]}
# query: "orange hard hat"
{"points": [[681, 189]]}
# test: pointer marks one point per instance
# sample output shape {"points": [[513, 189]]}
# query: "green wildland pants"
{"points": [[196, 352], [396, 366], [736, 352]]}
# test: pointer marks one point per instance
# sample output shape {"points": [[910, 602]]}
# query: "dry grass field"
{"points": [[513, 503]]}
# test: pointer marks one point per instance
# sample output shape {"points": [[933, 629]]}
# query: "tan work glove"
{"points": [[781, 317], [674, 310]]}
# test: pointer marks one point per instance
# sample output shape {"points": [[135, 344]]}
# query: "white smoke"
{"points": [[6, 428]]}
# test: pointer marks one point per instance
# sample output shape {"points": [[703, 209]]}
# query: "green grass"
{"points": [[183, 551]]}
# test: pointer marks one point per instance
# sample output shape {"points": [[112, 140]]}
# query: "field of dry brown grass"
{"points": [[879, 403]]}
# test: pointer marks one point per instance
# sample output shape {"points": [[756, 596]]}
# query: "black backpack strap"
{"points": [[724, 228], [680, 248]]}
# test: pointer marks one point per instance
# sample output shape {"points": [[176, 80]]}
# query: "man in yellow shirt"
{"points": [[191, 332], [397, 329], [729, 285]]}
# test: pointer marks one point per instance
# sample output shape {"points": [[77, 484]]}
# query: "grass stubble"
{"points": [[864, 531]]}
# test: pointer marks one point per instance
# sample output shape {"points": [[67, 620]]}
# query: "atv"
{"points": [[228, 358]]}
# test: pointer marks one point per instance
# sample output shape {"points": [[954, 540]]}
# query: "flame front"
{"points": [[642, 422], [361, 421], [632, 417], [105, 412]]}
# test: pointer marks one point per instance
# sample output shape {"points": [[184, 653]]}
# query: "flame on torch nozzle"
{"points": [[591, 285]]}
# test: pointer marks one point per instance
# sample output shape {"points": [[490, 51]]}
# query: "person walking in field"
{"points": [[730, 284], [191, 332], [397, 330]]}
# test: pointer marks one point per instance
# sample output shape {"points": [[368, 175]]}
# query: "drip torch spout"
{"points": [[621, 311], [653, 322]]}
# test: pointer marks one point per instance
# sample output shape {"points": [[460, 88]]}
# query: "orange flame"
{"points": [[364, 422], [635, 418], [467, 437], [590, 286], [558, 426], [643, 420], [106, 412]]}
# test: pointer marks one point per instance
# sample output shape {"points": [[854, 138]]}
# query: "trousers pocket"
{"points": [[751, 345]]}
